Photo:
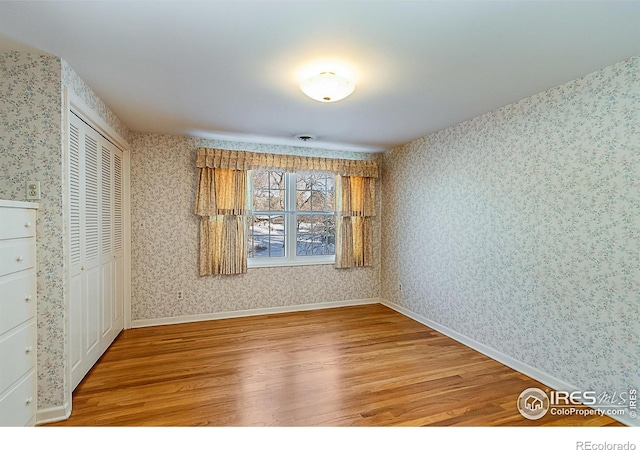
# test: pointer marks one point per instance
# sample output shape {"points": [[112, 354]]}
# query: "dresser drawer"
{"points": [[17, 353], [18, 406], [17, 299], [17, 255], [17, 223]]}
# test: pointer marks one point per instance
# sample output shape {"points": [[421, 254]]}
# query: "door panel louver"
{"points": [[91, 197], [106, 200], [117, 202], [74, 194]]}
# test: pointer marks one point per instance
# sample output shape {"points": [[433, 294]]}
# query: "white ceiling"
{"points": [[228, 69]]}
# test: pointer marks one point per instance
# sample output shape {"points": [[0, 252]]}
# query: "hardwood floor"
{"points": [[352, 366]]}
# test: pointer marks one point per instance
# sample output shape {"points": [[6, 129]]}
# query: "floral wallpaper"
{"points": [[73, 82], [31, 148], [165, 240], [521, 229]]}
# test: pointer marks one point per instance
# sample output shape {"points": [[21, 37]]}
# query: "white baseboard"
{"points": [[251, 312], [530, 371], [54, 414]]}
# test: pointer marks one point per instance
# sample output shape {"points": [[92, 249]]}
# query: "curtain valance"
{"points": [[221, 192], [240, 160]]}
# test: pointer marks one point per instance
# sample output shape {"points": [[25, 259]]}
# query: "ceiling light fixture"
{"points": [[327, 87]]}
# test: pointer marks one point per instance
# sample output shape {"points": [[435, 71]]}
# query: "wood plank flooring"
{"points": [[352, 366]]}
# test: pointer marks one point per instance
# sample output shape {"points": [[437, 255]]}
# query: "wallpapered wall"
{"points": [[521, 229], [76, 84], [31, 148], [165, 240]]}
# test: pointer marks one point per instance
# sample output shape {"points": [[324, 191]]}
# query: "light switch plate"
{"points": [[33, 190]]}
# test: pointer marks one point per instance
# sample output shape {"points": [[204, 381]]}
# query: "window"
{"points": [[292, 218]]}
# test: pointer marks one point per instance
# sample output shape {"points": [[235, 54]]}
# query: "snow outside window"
{"points": [[292, 220]]}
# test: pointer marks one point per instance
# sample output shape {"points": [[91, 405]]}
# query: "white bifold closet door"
{"points": [[96, 246]]}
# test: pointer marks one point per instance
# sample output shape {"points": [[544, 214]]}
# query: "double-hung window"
{"points": [[292, 220]]}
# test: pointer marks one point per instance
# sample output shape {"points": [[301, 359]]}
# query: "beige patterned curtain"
{"points": [[231, 159], [355, 205], [221, 204]]}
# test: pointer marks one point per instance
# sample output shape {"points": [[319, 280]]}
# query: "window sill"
{"points": [[260, 265]]}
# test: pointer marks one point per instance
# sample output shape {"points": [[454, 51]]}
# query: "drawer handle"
{"points": [[27, 225], [28, 298], [19, 259], [28, 349], [29, 400]]}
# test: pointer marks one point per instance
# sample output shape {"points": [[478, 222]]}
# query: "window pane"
{"points": [[276, 179], [266, 235], [315, 235], [276, 249], [318, 200], [304, 245], [304, 223], [301, 182], [260, 200], [260, 178], [276, 200], [268, 200], [268, 190], [314, 192], [330, 193], [303, 200]]}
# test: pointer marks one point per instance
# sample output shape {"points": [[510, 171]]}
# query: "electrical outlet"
{"points": [[180, 295], [400, 286], [33, 190]]}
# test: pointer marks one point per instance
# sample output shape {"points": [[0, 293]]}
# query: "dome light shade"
{"points": [[327, 87]]}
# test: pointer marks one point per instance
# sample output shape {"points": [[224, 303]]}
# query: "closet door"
{"points": [[85, 294], [112, 257], [118, 241], [76, 221], [92, 292], [106, 244], [95, 246]]}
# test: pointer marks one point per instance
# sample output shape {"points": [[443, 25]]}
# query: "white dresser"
{"points": [[18, 335]]}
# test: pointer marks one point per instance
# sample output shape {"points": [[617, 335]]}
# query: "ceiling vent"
{"points": [[305, 137]]}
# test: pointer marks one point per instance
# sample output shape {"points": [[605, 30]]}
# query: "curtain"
{"points": [[237, 160], [221, 204], [221, 201], [355, 205], [223, 245]]}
